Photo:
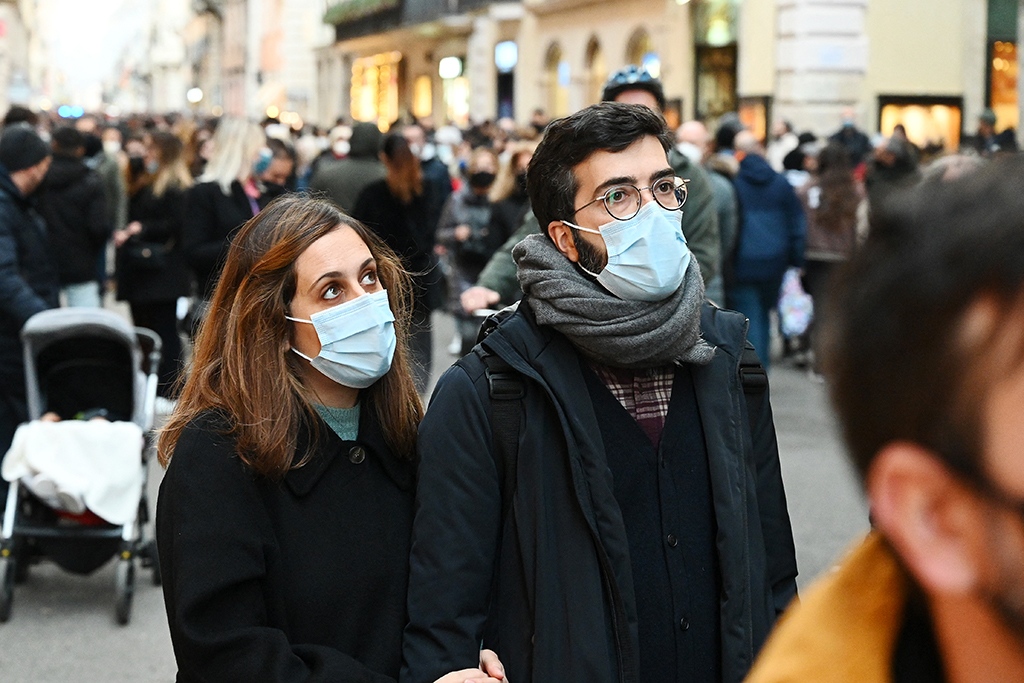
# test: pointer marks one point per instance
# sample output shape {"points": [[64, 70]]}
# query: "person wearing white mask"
{"points": [[600, 496], [284, 516]]}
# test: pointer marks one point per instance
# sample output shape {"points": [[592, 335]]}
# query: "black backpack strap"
{"points": [[754, 379], [506, 389]]}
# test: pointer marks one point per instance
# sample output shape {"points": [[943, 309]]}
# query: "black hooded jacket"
{"points": [[28, 276], [73, 202], [549, 587]]}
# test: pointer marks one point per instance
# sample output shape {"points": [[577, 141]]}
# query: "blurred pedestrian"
{"points": [[466, 234], [343, 178], [73, 202], [855, 140], [28, 268], [225, 197], [771, 239], [397, 209], [151, 268], [783, 141], [893, 167], [694, 141], [435, 171], [831, 200]]}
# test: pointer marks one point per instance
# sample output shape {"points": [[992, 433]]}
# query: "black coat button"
{"points": [[356, 455], [672, 540], [684, 624]]}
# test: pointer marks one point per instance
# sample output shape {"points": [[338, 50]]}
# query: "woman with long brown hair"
{"points": [[151, 269], [284, 517], [397, 209]]}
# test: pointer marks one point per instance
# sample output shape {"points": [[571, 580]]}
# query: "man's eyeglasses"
{"points": [[623, 201]]}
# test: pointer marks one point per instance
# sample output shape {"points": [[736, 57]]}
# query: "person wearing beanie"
{"points": [[28, 274], [635, 85]]}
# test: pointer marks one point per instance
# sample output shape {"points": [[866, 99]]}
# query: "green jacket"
{"points": [[500, 272], [700, 219]]}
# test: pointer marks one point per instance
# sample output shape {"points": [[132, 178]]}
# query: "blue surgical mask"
{"points": [[647, 255], [357, 340]]}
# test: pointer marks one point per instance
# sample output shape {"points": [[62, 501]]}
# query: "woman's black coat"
{"points": [[296, 580], [409, 231], [211, 219], [161, 218]]}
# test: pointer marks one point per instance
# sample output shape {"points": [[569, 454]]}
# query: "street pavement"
{"points": [[62, 627]]}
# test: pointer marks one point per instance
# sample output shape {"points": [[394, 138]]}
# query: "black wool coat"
{"points": [[161, 218], [28, 269], [410, 232], [74, 204], [211, 220], [296, 580], [549, 587]]}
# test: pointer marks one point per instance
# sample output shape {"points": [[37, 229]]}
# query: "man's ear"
{"points": [[561, 235], [934, 521]]}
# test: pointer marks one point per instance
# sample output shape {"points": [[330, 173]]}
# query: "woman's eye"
{"points": [[332, 292], [370, 278]]}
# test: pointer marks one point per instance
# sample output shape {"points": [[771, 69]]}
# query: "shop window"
{"points": [[422, 97], [754, 113], [1003, 84], [932, 123], [375, 89], [716, 80]]}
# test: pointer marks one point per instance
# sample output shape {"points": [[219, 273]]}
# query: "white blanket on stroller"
{"points": [[77, 464]]}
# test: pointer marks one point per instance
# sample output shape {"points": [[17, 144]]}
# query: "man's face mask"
{"points": [[647, 254]]}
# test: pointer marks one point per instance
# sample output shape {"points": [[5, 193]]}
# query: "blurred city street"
{"points": [[62, 627]]}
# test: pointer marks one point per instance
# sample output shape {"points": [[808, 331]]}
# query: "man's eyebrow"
{"points": [[612, 182], [662, 174]]}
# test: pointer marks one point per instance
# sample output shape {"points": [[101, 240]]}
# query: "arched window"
{"points": [[597, 71], [556, 77]]}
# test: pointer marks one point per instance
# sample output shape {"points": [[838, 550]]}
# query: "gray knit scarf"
{"points": [[607, 329]]}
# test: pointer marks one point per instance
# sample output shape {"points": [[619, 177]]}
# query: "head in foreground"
{"points": [[926, 357]]}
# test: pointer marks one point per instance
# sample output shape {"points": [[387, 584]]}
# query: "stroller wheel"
{"points": [[124, 590], [7, 568]]}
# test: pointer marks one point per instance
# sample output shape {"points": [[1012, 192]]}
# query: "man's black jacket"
{"points": [[73, 202], [550, 589], [28, 275]]}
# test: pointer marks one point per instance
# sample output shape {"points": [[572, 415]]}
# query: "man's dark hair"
{"points": [[67, 140], [928, 315], [610, 126]]}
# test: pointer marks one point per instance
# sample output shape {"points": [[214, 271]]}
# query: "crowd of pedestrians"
{"points": [[595, 491]]}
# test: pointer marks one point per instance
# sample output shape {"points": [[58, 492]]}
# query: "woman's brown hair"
{"points": [[405, 178], [240, 365]]}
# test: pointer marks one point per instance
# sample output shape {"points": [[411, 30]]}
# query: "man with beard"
{"points": [[600, 496], [926, 359]]}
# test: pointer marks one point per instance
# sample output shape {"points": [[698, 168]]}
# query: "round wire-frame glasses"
{"points": [[622, 202]]}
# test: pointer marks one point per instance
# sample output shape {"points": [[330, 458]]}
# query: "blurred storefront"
{"points": [[394, 59]]}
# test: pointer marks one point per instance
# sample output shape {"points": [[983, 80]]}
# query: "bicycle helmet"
{"points": [[633, 77]]}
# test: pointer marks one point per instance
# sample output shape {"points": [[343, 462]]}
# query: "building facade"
{"points": [[934, 67]]}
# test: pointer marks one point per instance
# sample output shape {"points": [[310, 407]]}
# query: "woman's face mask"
{"points": [[357, 340]]}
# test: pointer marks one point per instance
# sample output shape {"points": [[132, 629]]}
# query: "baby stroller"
{"points": [[83, 362]]}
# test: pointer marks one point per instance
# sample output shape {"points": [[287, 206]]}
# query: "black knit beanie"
{"points": [[21, 147]]}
